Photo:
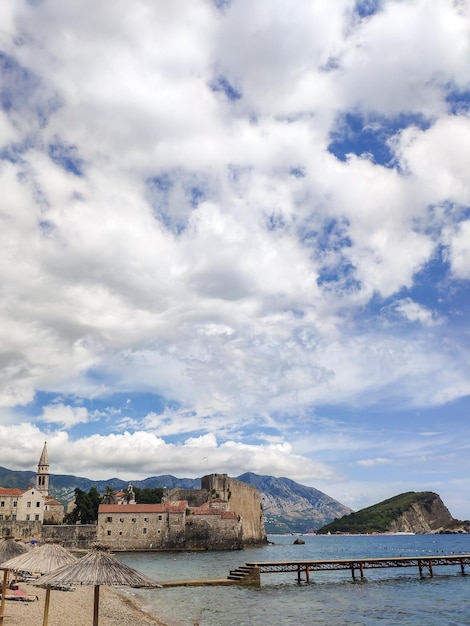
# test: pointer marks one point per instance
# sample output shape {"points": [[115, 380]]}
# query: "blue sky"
{"points": [[235, 237]]}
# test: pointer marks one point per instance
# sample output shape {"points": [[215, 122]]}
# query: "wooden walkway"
{"points": [[250, 573]]}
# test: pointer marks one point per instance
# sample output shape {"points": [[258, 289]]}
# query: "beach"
{"points": [[75, 608]]}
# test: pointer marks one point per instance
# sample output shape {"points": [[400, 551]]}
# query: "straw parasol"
{"points": [[97, 568], [9, 548], [45, 559]]}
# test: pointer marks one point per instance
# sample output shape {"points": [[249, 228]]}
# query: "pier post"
{"points": [[353, 574], [255, 576], [307, 574], [431, 573], [420, 567], [462, 567], [361, 569], [298, 574]]}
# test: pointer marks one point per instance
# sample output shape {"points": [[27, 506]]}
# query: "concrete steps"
{"points": [[241, 574]]}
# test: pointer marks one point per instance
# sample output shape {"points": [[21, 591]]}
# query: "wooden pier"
{"points": [[250, 573]]}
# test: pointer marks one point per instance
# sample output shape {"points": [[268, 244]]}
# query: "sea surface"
{"points": [[386, 597]]}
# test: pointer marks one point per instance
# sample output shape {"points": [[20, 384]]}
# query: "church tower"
{"points": [[42, 476]]}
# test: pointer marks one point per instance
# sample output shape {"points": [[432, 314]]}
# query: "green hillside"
{"points": [[378, 518]]}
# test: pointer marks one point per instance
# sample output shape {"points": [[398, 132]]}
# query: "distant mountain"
{"points": [[293, 508], [288, 506], [62, 486], [416, 512]]}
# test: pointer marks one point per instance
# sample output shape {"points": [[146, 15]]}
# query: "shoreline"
{"points": [[75, 608]]}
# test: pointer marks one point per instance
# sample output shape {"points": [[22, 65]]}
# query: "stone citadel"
{"points": [[224, 514]]}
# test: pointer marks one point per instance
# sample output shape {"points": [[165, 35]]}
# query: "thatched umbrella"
{"points": [[8, 549], [97, 568], [44, 560]]}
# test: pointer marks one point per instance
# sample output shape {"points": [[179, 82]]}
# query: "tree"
{"points": [[86, 507], [148, 495], [109, 496]]}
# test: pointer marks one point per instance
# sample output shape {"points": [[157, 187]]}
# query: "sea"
{"points": [[386, 597]]}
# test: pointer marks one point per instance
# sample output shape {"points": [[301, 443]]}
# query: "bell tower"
{"points": [[42, 476]]}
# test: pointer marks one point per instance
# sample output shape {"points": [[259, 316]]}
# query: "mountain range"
{"points": [[289, 507]]}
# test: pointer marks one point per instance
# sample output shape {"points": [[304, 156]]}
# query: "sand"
{"points": [[75, 608]]}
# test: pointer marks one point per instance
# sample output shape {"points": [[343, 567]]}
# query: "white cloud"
{"points": [[458, 240], [402, 60], [373, 462], [161, 235], [415, 312], [66, 416], [140, 454], [435, 158]]}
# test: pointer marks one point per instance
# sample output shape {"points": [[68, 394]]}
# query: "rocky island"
{"points": [[411, 512]]}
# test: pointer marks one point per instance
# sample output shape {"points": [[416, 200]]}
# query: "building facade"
{"points": [[224, 514], [142, 526], [33, 504], [19, 505]]}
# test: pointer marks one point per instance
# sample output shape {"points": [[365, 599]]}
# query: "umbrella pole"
{"points": [[96, 605], [46, 606], [4, 593]]}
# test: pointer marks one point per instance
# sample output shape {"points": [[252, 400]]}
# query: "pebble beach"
{"points": [[75, 608]]}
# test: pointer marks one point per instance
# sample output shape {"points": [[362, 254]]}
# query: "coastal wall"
{"points": [[71, 537], [194, 497], [25, 531], [214, 531], [242, 499], [78, 536]]}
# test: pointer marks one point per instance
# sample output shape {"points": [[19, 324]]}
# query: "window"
{"points": [[2, 503], [13, 518], [121, 519], [38, 504], [1, 517], [158, 531], [109, 519], [36, 517], [15, 503], [28, 504], [160, 518], [133, 519], [144, 531], [108, 533], [146, 519], [120, 532], [28, 517]]}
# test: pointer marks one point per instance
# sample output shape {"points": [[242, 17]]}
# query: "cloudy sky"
{"points": [[235, 236]]}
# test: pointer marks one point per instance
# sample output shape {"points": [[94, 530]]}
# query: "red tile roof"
{"points": [[222, 514], [50, 501], [229, 515], [4, 491]]}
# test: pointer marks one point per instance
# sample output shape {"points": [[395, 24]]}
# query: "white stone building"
{"points": [[33, 504]]}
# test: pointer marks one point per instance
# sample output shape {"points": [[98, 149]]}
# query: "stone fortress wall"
{"points": [[242, 499], [225, 514]]}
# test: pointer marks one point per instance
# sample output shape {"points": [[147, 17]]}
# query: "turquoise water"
{"points": [[388, 597]]}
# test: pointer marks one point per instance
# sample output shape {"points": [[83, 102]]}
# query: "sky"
{"points": [[235, 237]]}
